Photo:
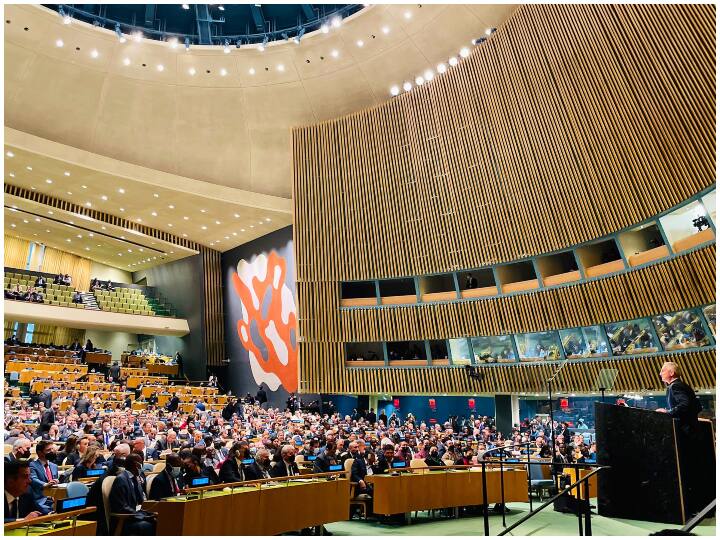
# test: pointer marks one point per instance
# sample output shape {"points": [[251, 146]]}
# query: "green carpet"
{"points": [[546, 523]]}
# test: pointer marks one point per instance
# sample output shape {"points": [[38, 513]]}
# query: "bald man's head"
{"points": [[122, 450]]}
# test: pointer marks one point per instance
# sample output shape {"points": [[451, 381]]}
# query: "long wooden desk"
{"points": [[98, 358], [580, 490], [443, 489], [162, 369], [65, 524], [256, 511]]}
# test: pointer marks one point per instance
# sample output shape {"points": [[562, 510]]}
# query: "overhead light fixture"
{"points": [[324, 28], [251, 71], [453, 61], [154, 214], [217, 222], [48, 181], [408, 15], [419, 80], [88, 204], [394, 90], [281, 67], [160, 67], [94, 53], [119, 34], [126, 61], [334, 53], [464, 52], [490, 31], [12, 175], [441, 68], [186, 6], [407, 86], [192, 71], [204, 228], [29, 168], [221, 8], [171, 206], [268, 219], [121, 190], [65, 17], [137, 37], [59, 43], [428, 75], [226, 47], [360, 43], [174, 42], [103, 197], [223, 72], [336, 21], [156, 195], [9, 154], [385, 30], [66, 173]]}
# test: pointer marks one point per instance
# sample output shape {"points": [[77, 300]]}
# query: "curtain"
{"points": [[56, 261], [57, 335], [16, 252]]}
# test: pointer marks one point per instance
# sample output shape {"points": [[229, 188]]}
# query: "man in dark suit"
{"points": [[19, 502], [40, 282], [82, 405], [232, 469], [43, 473], [326, 458], [126, 495], [261, 396], [21, 450], [169, 482], [384, 464], [261, 468], [286, 466], [371, 417], [47, 419], [138, 445], [683, 404], [173, 404], [168, 442], [358, 471], [46, 398], [114, 371]]}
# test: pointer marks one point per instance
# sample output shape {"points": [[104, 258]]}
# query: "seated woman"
{"points": [[87, 462]]}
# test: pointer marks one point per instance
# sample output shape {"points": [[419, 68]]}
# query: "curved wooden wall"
{"points": [[573, 120]]}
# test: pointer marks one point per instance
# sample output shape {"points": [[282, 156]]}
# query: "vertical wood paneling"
{"points": [[16, 252]]}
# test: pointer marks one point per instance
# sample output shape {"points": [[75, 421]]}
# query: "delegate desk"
{"points": [[257, 508], [162, 369], [64, 524], [580, 490], [98, 358], [444, 488]]}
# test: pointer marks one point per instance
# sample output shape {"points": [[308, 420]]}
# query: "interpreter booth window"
{"points": [[492, 349], [600, 258], [459, 351], [558, 268], [359, 352], [437, 288], [643, 244], [406, 350], [358, 293], [709, 203], [709, 312], [439, 354], [398, 291], [537, 347], [680, 330], [631, 337], [586, 342], [687, 227]]}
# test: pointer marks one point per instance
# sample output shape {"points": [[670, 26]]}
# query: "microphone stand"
{"points": [[552, 421]]}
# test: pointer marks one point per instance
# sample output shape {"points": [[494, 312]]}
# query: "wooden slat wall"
{"points": [[573, 120], [16, 252], [56, 260], [211, 279], [570, 123], [634, 375], [58, 335]]}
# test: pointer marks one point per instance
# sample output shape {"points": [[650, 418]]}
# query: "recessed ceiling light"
{"points": [[29, 168], [252, 226], [12, 175], [242, 230], [192, 71], [171, 206], [102, 227], [94, 53], [170, 224], [408, 15], [141, 249], [122, 237], [47, 230], [212, 243], [160, 67], [37, 219], [68, 240], [464, 52], [88, 204], [184, 235], [203, 210], [227, 238], [139, 220], [394, 90], [428, 75], [9, 154], [223, 72], [50, 212], [419, 80], [441, 68], [154, 214], [360, 43], [121, 209], [103, 197], [69, 192], [185, 218], [385, 30], [334, 53], [126, 61], [47, 180], [204, 228], [79, 235], [234, 234], [59, 43], [268, 219], [91, 235], [251, 71], [155, 195], [66, 173], [25, 221], [217, 222], [121, 190], [13, 225], [453, 61], [281, 67], [129, 250], [87, 249]]}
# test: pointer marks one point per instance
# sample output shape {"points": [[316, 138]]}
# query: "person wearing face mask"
{"points": [[261, 468], [433, 458], [286, 466], [169, 482], [21, 450], [232, 469], [43, 473], [126, 497]]}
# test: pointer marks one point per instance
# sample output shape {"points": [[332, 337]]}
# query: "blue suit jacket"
{"points": [[38, 480]]}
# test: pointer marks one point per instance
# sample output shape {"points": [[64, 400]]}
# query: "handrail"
{"points": [[48, 517], [264, 481], [690, 525], [551, 500]]}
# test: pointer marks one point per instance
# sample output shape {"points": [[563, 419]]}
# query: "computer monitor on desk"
{"points": [[74, 503], [94, 472], [202, 481]]}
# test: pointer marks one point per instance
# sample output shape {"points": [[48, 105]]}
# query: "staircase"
{"points": [[89, 301]]}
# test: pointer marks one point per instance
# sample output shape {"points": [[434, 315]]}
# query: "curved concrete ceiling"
{"points": [[230, 122]]}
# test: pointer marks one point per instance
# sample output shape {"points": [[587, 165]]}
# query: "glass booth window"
{"points": [[680, 330], [490, 349], [587, 342], [459, 351], [631, 337], [709, 312], [537, 347]]}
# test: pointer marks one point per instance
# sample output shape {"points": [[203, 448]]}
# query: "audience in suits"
{"points": [[19, 501], [168, 483], [286, 466], [126, 495]]}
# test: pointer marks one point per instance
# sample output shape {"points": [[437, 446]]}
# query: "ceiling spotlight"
{"points": [[490, 31], [156, 195], [408, 15], [171, 206], [407, 86], [185, 218], [453, 61], [464, 52], [160, 67], [139, 220], [204, 228], [174, 42], [88, 204], [94, 53], [394, 90], [66, 173], [251, 71], [360, 43], [154, 214], [186, 6], [221, 8], [12, 175], [324, 28], [13, 225], [217, 222], [428, 75], [59, 43], [385, 30], [121, 190], [126, 61], [223, 72], [419, 80], [121, 209], [281, 67], [29, 168], [47, 180], [187, 44], [137, 37], [37, 219], [441, 68], [336, 22], [119, 34], [103, 197], [334, 53], [226, 47], [192, 71], [9, 154]]}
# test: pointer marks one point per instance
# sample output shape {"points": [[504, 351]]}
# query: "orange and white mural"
{"points": [[267, 327]]}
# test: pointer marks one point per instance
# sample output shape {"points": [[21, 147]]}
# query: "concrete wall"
{"points": [[115, 342], [105, 272]]}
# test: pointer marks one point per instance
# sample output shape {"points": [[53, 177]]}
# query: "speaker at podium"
{"points": [[659, 471]]}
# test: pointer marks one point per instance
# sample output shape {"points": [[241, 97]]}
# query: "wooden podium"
{"points": [[659, 470]]}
